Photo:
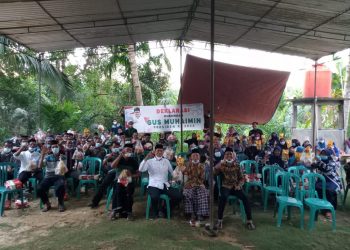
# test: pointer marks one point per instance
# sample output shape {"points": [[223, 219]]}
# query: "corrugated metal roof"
{"points": [[311, 28]]}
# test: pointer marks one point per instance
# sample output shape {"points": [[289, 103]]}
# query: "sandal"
{"points": [[113, 215], [250, 226], [219, 224], [47, 208]]}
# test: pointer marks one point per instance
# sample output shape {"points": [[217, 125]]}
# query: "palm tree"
{"points": [[18, 59], [135, 74]]}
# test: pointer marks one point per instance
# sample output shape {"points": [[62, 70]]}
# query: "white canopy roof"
{"points": [[310, 28]]}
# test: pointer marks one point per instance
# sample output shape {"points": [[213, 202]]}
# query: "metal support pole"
{"points": [[315, 123], [212, 117], [181, 99], [39, 90]]}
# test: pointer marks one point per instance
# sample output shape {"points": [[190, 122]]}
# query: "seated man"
{"points": [[109, 177], [158, 169], [196, 196], [232, 183], [51, 178], [29, 156], [124, 187]]}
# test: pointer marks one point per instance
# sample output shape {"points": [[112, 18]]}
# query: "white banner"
{"points": [[162, 118]]}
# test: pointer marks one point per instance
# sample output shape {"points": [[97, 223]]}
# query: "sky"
{"points": [[236, 55], [246, 57]]}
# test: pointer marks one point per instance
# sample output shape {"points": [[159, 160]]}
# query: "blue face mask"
{"points": [[323, 157]]}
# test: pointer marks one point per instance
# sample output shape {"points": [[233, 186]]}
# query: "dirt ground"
{"points": [[21, 226]]}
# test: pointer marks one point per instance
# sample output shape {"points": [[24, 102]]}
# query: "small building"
{"points": [[328, 114]]}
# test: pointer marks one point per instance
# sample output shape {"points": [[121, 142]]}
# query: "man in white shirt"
{"points": [[29, 156], [159, 169]]}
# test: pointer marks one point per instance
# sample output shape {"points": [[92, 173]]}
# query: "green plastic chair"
{"points": [[284, 200], [89, 167], [162, 197], [269, 182], [250, 167], [241, 157], [109, 198], [233, 200], [312, 201], [298, 170], [3, 191], [144, 183]]}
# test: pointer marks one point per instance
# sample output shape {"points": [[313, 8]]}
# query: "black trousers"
{"points": [[25, 175], [173, 193], [123, 198], [47, 182], [225, 193], [107, 181], [331, 196]]}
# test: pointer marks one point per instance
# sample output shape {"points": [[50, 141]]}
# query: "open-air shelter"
{"points": [[309, 28]]}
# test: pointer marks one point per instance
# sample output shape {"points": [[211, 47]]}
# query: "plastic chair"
{"points": [[269, 181], [284, 200], [89, 167], [144, 183], [241, 157], [232, 200], [315, 204], [162, 197], [250, 167], [3, 190], [298, 170], [109, 198]]}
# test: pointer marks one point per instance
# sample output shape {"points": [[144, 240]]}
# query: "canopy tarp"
{"points": [[242, 94], [310, 28]]}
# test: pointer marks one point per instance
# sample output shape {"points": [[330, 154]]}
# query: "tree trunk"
{"points": [[346, 94], [135, 74]]}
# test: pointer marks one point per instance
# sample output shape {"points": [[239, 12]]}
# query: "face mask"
{"points": [[23, 144], [283, 142], [55, 151], [253, 145], [201, 146], [115, 150], [229, 161], [322, 141], [195, 161], [217, 154], [159, 158], [7, 150], [129, 155], [98, 145], [129, 179], [31, 149], [114, 123], [323, 157]]}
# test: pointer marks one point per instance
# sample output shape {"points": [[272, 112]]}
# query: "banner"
{"points": [[162, 118]]}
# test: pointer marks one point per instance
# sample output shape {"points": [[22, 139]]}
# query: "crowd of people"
{"points": [[126, 154]]}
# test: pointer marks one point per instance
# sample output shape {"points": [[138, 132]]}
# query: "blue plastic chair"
{"points": [[312, 201], [269, 182], [3, 191], [90, 164], [241, 157], [250, 167], [162, 197], [109, 198], [233, 200], [284, 200], [144, 183]]}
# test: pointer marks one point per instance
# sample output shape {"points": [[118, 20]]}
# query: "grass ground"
{"points": [[82, 228]]}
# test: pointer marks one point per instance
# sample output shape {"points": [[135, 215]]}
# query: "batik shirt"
{"points": [[195, 175], [232, 175]]}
